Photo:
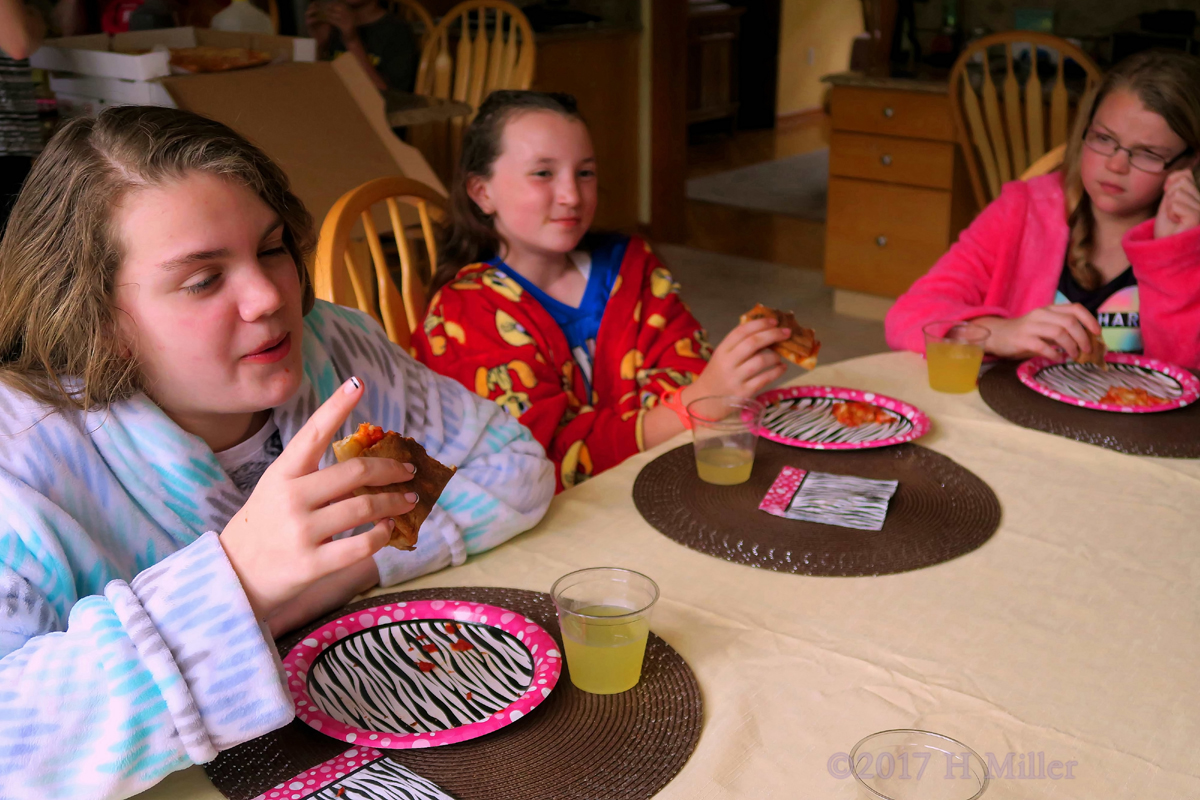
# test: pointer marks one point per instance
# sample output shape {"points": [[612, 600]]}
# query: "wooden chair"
{"points": [[1051, 161], [1000, 144], [479, 46], [401, 310], [415, 15]]}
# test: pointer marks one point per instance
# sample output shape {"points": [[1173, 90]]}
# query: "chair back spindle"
{"points": [[480, 46], [401, 309], [1000, 144]]}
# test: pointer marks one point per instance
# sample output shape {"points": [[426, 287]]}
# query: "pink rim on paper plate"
{"points": [[802, 416], [1084, 384], [421, 674]]}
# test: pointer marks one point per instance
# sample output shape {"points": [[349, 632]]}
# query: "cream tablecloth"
{"points": [[1074, 632]]}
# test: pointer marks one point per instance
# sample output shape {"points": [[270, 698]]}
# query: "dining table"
{"points": [[1064, 650]]}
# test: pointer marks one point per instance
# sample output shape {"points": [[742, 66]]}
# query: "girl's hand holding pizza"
{"points": [[743, 363], [280, 541], [1179, 209]]}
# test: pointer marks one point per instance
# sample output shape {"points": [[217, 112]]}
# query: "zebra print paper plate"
{"points": [[357, 773], [803, 416], [421, 674], [1085, 385]]}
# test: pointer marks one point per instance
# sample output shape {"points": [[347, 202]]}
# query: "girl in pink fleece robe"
{"points": [[1109, 245]]}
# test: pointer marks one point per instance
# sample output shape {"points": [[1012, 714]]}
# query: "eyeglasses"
{"points": [[1144, 160]]}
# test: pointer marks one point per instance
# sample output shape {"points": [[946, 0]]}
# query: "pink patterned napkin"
{"points": [[358, 773], [841, 500]]}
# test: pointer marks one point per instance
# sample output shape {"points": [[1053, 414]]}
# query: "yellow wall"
{"points": [[829, 28]]}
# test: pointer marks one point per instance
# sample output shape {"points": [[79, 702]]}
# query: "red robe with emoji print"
{"points": [[489, 334]]}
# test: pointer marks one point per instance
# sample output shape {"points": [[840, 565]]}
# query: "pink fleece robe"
{"points": [[1008, 262]]}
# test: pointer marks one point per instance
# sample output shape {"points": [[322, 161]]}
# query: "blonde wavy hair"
{"points": [[1168, 83], [60, 252]]}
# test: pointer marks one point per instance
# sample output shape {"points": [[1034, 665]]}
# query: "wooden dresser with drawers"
{"points": [[898, 188]]}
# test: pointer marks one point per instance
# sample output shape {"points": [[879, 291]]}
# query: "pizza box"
{"points": [[74, 105], [324, 123], [102, 56], [110, 91]]}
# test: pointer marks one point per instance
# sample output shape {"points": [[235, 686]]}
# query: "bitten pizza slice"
{"points": [[852, 413], [1096, 357], [802, 348], [371, 441]]}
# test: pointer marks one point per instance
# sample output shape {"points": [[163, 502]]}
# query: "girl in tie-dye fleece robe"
{"points": [[139, 580]]}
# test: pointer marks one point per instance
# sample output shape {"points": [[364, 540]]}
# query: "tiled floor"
{"points": [[719, 288], [735, 257]]}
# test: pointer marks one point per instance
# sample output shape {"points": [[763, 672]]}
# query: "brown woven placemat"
{"points": [[940, 511], [573, 746], [1168, 434]]}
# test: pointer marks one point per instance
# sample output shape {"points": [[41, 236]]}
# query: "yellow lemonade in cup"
{"points": [[724, 466], [954, 353], [604, 615], [604, 647], [725, 435]]}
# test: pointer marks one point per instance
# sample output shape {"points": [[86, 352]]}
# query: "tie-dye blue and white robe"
{"points": [[127, 646]]}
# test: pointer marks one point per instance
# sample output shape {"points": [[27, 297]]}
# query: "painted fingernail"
{"points": [[410, 467], [786, 331], [411, 497], [351, 386]]}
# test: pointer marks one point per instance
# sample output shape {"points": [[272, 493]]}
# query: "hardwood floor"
{"points": [[756, 234], [718, 152], [735, 257]]}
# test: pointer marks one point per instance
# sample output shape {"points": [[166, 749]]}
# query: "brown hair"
{"points": [[470, 235], [60, 253], [1168, 83]]}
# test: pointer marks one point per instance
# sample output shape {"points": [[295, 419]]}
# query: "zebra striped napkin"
{"points": [[842, 500], [361, 773]]}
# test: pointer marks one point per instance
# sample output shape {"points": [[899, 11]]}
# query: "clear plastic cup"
{"points": [[910, 764], [954, 353], [725, 435], [604, 614]]}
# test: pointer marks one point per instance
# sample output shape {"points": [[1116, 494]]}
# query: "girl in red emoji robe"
{"points": [[582, 337]]}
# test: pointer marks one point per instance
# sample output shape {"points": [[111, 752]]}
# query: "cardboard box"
{"points": [[72, 105], [110, 91], [110, 71], [101, 56], [324, 123]]}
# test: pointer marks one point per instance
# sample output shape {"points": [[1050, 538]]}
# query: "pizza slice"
{"points": [[1129, 396], [1096, 357], [371, 441], [853, 413], [802, 348], [216, 59]]}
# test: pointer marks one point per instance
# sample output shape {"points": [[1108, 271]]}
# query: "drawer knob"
{"points": [[881, 241], [888, 112], [886, 160]]}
